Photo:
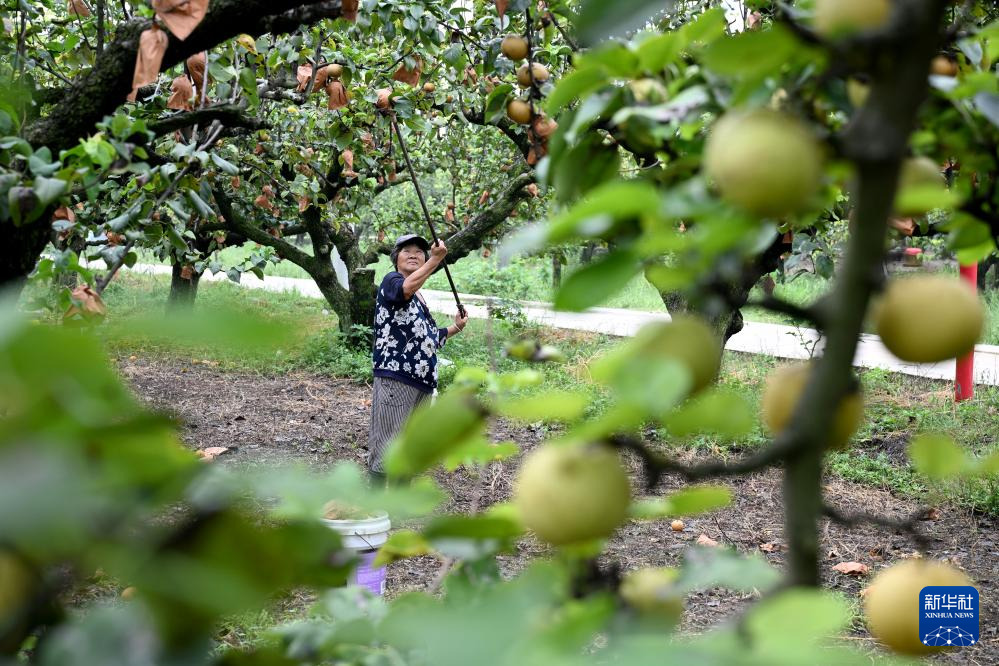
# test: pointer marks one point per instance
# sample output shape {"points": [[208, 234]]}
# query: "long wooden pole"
{"points": [[426, 212]]}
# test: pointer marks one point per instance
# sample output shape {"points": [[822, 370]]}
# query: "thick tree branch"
{"points": [[505, 125], [470, 238], [811, 314], [656, 464], [230, 115], [909, 526], [242, 226], [99, 92], [371, 255]]}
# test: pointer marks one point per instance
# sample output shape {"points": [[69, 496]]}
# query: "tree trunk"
{"points": [[363, 293], [556, 272], [984, 283], [19, 252], [723, 312], [586, 253], [183, 291]]}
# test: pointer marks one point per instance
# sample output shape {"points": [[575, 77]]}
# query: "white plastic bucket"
{"points": [[364, 537]]}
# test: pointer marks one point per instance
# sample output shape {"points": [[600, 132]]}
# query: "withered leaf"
{"points": [[196, 70], [181, 16], [212, 452], [348, 9], [87, 303], [337, 94], [322, 76], [852, 568], [152, 45], [303, 75], [705, 540], [64, 213], [181, 93], [544, 127], [410, 76], [78, 8]]}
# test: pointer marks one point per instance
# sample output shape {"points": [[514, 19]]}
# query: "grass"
{"points": [[530, 279], [898, 406]]}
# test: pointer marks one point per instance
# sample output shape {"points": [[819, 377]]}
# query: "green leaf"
{"points": [[402, 544], [752, 53], [48, 190], [619, 60], [434, 431], [575, 84], [176, 240], [988, 465], [42, 164], [651, 383], [609, 202], [658, 51], [473, 527], [552, 406], [596, 282], [22, 204], [480, 452], [248, 81], [919, 198], [805, 617], [937, 456], [497, 100], [717, 411], [988, 106], [599, 19], [689, 502], [976, 253], [708, 27], [204, 210], [226, 166], [721, 567]]}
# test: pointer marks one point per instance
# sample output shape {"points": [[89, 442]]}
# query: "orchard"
{"points": [[244, 418]]}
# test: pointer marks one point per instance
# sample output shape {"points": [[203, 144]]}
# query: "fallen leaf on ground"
{"points": [[932, 514], [212, 452], [852, 568], [705, 540], [771, 547]]}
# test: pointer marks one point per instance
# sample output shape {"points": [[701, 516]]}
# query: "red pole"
{"points": [[964, 381]]}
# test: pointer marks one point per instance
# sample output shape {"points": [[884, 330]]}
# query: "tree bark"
{"points": [[363, 292], [723, 312], [984, 283], [19, 252], [556, 271], [101, 90], [183, 292]]}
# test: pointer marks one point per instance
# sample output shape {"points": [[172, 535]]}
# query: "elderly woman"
{"points": [[406, 342]]}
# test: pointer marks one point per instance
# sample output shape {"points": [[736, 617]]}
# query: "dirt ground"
{"points": [[322, 421]]}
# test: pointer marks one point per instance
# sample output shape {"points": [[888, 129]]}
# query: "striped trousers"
{"points": [[391, 404]]}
